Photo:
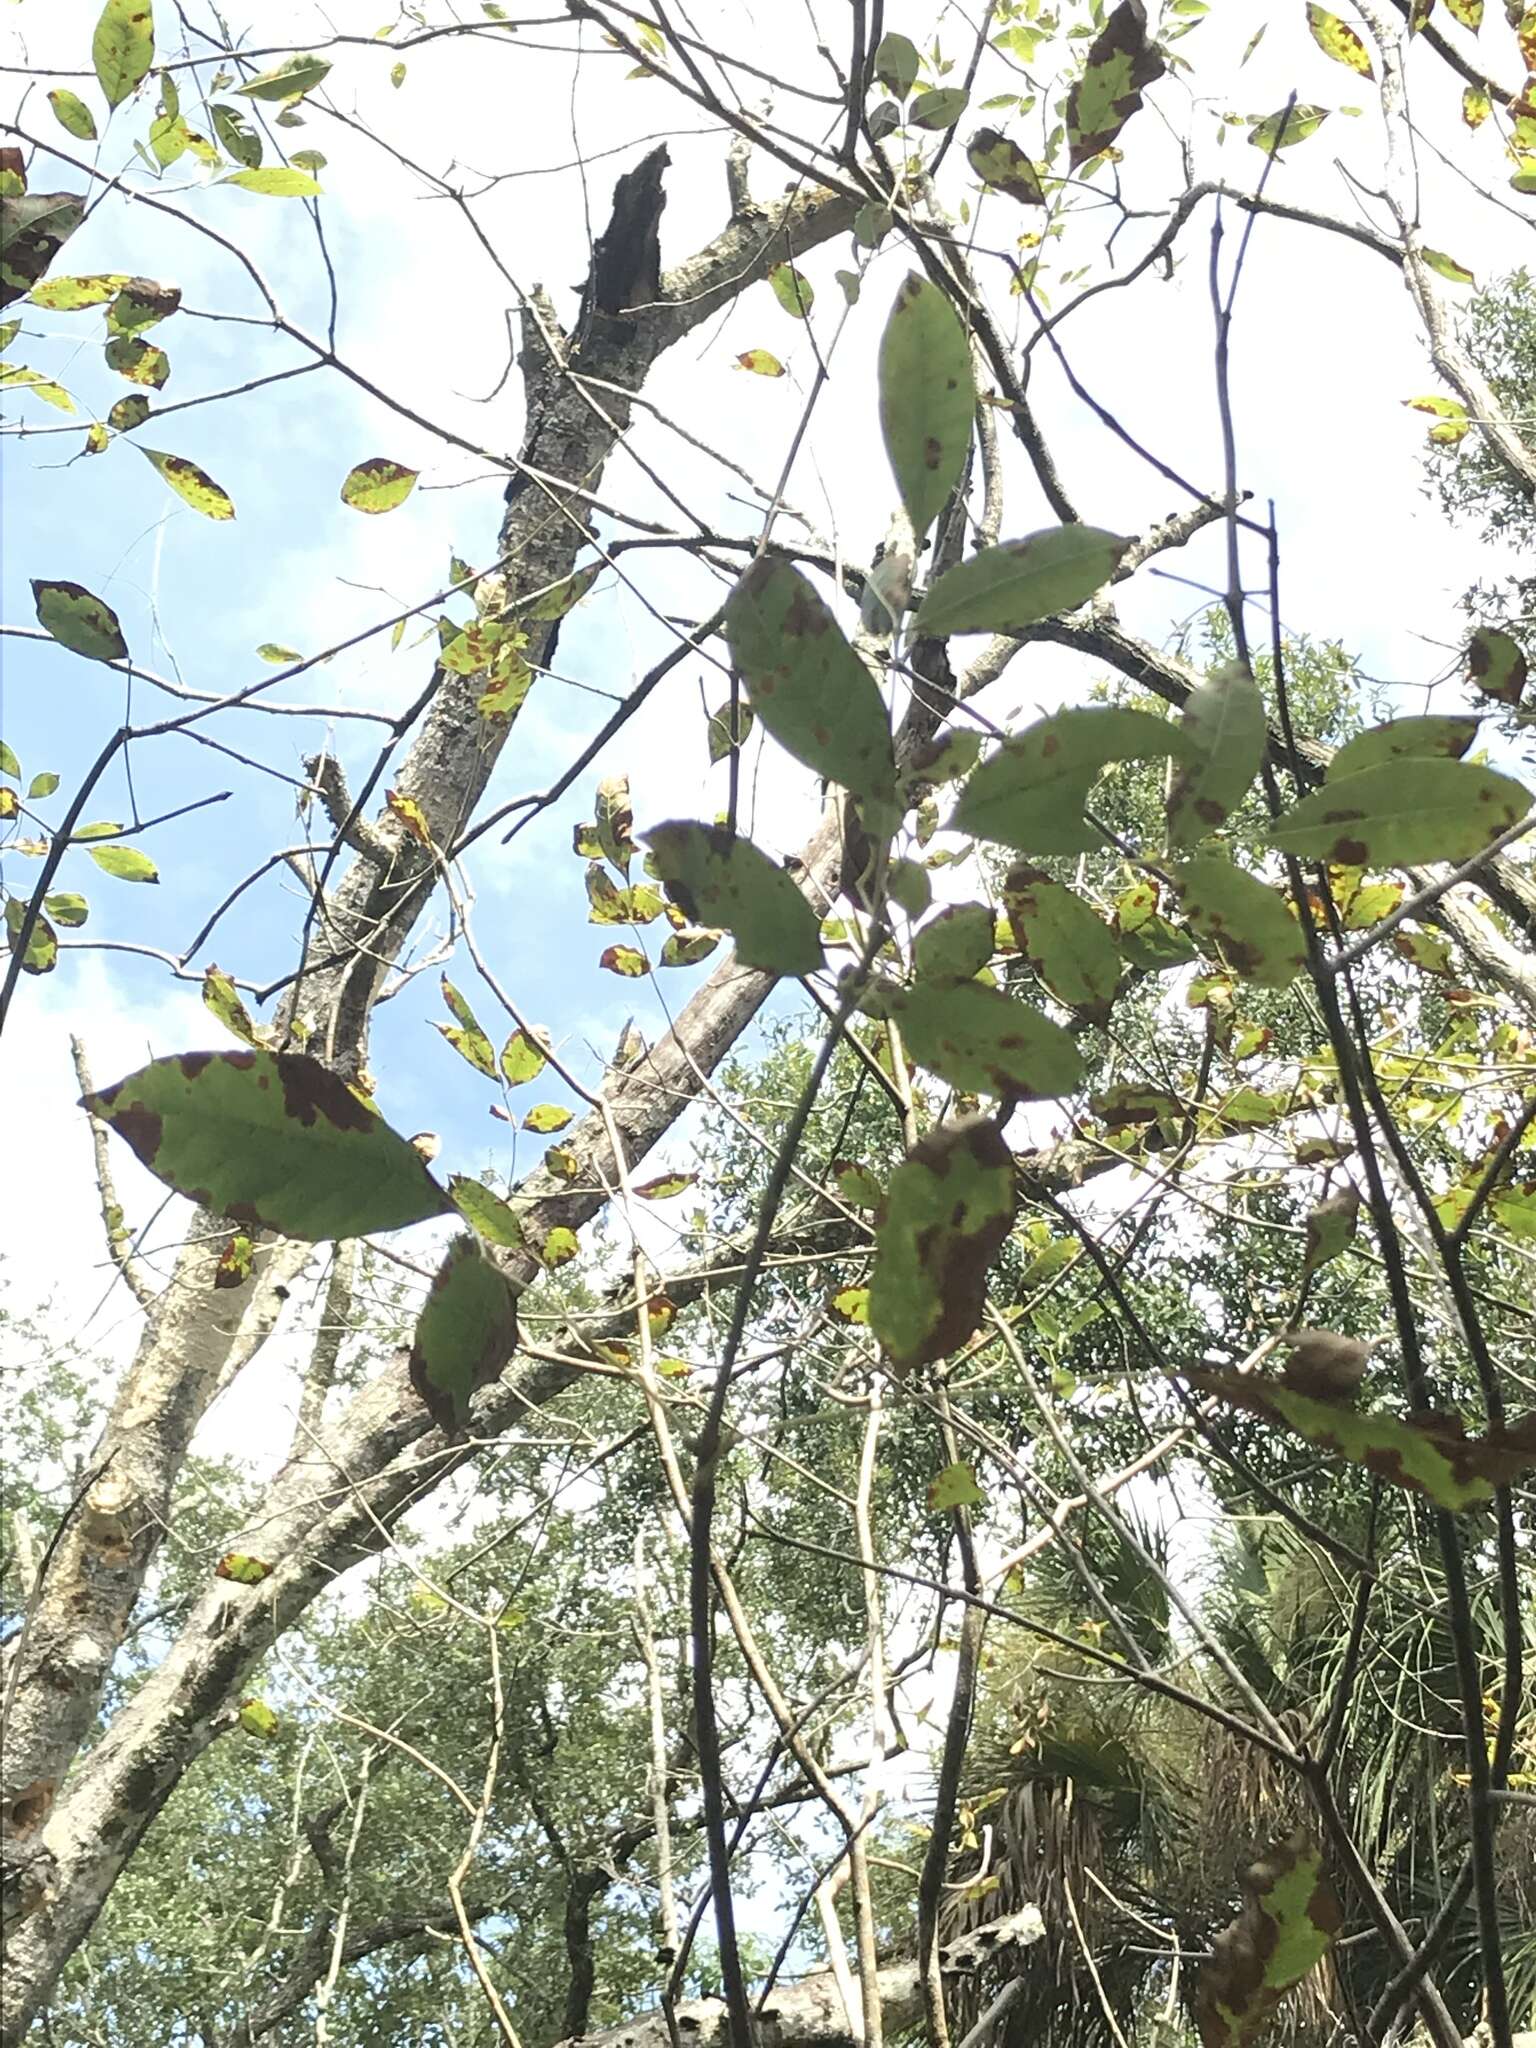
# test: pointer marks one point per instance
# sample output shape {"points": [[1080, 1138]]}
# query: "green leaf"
{"points": [[277, 655], [729, 884], [42, 954], [1429, 1454], [1496, 665], [257, 1718], [546, 1118], [939, 108], [1290, 125], [1447, 267], [725, 733], [127, 863], [896, 64], [1336, 39], [1067, 941], [523, 1058], [1227, 729], [274, 1140], [927, 398], [1245, 921], [378, 485], [129, 412], [465, 1034], [1402, 814], [240, 139], [687, 949], [955, 945], [1021, 581], [1331, 1228], [465, 1334], [856, 1185], [9, 329], [558, 1248], [1121, 64], [806, 683], [563, 596], [1403, 739], [79, 621], [73, 114], [792, 290], [275, 181], [495, 1220], [142, 302], [947, 756], [222, 997], [291, 79], [954, 1487], [1003, 167], [137, 360], [1031, 793], [67, 909], [190, 483], [123, 48], [628, 961], [34, 226], [948, 1211], [169, 138], [1289, 1917], [9, 765], [981, 1042], [75, 294], [242, 1569]]}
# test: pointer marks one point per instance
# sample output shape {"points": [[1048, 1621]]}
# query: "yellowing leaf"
{"points": [[760, 362], [195, 486], [954, 1487], [1282, 130], [1447, 267], [243, 1569], [625, 960], [222, 997], [1336, 39], [378, 485], [523, 1058], [1003, 167], [257, 1718]]}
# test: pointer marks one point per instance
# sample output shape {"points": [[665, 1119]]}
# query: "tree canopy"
{"points": [[971, 1479]]}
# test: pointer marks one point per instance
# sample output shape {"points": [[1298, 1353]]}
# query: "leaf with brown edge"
{"points": [[42, 954], [142, 302], [234, 1267], [546, 1118], [1336, 39], [1120, 65], [138, 360], [257, 1718], [558, 1249], [760, 362], [485, 1211], [377, 484], [1468, 12], [465, 1333], [272, 1140], [954, 1487], [523, 1058], [1065, 940], [1404, 739], [849, 1305], [242, 1569], [1289, 1917], [411, 816], [1429, 1454], [625, 960], [1003, 167], [192, 485], [1496, 665], [948, 1211], [1402, 814], [79, 620]]}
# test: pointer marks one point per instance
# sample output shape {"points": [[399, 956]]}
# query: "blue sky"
{"points": [[1325, 351]]}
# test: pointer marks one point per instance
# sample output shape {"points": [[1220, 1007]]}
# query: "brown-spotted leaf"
{"points": [[274, 1140], [1003, 166], [1496, 665], [1290, 1915], [1069, 944], [34, 226], [1121, 64], [948, 1212], [1402, 814], [1430, 1454], [1242, 918]]}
